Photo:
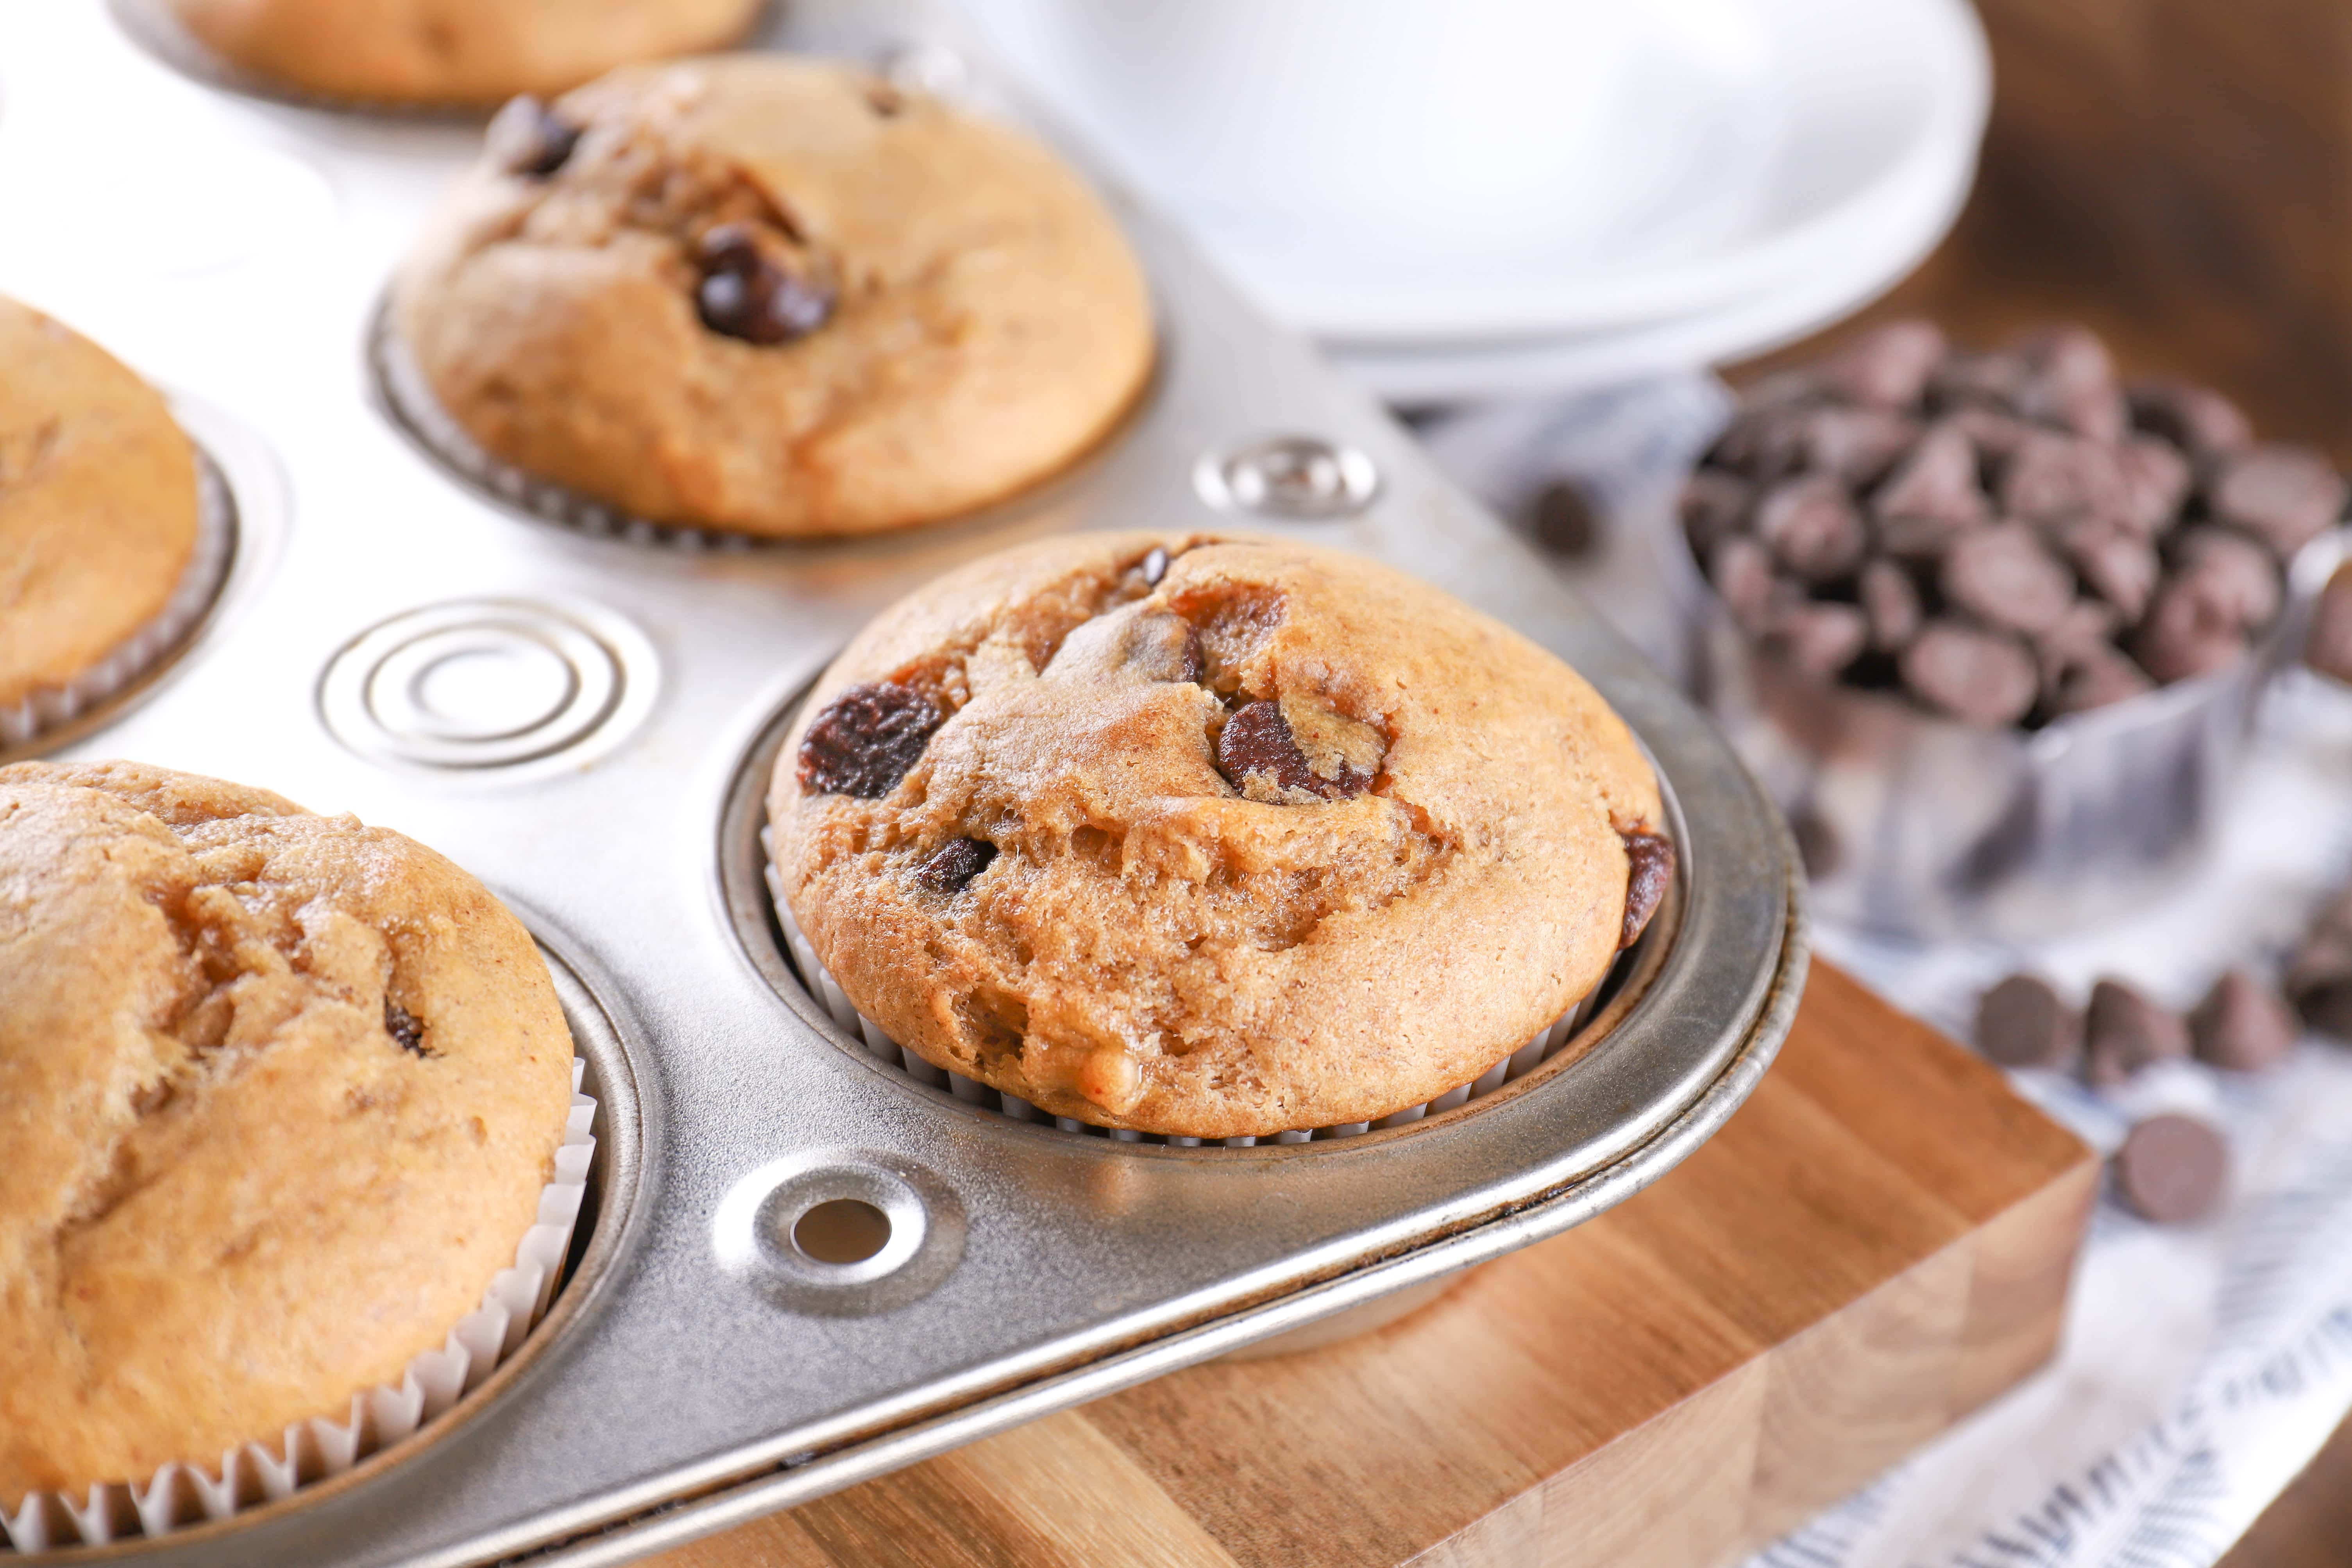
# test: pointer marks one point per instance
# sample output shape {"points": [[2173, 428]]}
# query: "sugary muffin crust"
{"points": [[775, 296], [98, 504], [1210, 837], [451, 53], [278, 1093]]}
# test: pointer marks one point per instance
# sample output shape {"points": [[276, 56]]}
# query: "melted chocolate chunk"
{"points": [[744, 294], [1651, 861], [866, 740], [1258, 743], [531, 139], [407, 1031], [954, 863]]}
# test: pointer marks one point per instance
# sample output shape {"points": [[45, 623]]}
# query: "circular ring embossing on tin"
{"points": [[843, 1233], [1299, 479], [511, 686]]}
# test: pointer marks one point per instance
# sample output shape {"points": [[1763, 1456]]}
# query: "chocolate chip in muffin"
{"points": [[1649, 868], [528, 138], [2124, 1030], [866, 739], [1163, 646], [2243, 1024], [406, 1030], [746, 293], [1982, 677], [955, 863], [2172, 1168], [2024, 1023], [1290, 753]]}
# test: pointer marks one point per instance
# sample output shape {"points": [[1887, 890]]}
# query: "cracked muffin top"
{"points": [[278, 1093], [1210, 837], [777, 297], [98, 504], [450, 53]]}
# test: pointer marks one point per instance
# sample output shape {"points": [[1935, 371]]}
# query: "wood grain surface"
{"points": [[1877, 1243]]}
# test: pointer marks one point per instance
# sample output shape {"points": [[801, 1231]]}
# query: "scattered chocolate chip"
{"points": [[2024, 1023], [746, 294], [1819, 845], [1257, 746], [1650, 866], [1937, 480], [2328, 647], [1890, 600], [1563, 522], [2124, 1031], [2004, 577], [2238, 575], [866, 739], [1155, 566], [1979, 677], [528, 138], [1887, 366], [2117, 565], [2172, 1168], [2197, 419], [1713, 507], [1811, 526], [2190, 631], [2243, 1024], [407, 1031], [954, 863], [2284, 496], [1818, 638]]}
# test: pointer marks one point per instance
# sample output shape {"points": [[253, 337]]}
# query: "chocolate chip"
{"points": [[1155, 566], [2124, 1031], [407, 1031], [1759, 444], [1820, 639], [866, 739], [1888, 365], [1937, 480], [1715, 505], [1890, 600], [1563, 522], [528, 138], [2157, 482], [1855, 446], [1819, 845], [1650, 868], [2238, 575], [1259, 747], [2004, 577], [2070, 382], [2118, 565], [2243, 1024], [2197, 419], [1996, 435], [2056, 478], [746, 294], [1755, 594], [2284, 496], [2190, 630], [1811, 526], [2024, 1023], [1991, 380], [954, 864], [2100, 676], [2328, 647], [2320, 973], [2172, 1168], [1979, 677]]}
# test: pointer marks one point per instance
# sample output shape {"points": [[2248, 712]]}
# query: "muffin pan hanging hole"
{"points": [[841, 1233], [781, 952]]}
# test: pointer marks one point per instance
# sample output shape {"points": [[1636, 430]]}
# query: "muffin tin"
{"points": [[583, 719]]}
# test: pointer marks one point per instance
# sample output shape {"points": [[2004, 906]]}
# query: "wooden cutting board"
{"points": [[1880, 1241]]}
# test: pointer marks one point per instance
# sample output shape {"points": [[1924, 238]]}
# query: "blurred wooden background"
{"points": [[2176, 175]]}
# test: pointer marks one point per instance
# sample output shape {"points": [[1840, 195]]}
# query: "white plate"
{"points": [[1870, 264], [1736, 145]]}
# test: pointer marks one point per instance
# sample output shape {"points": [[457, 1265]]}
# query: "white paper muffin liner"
{"points": [[313, 1449], [1538, 1050], [52, 707]]}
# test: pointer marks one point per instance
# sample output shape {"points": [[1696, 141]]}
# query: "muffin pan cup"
{"points": [[709, 1360]]}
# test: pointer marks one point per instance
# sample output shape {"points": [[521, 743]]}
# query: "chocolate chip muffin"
{"points": [[99, 507], [449, 53], [1210, 837], [278, 1093], [775, 296]]}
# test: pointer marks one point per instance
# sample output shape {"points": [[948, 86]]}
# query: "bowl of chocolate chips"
{"points": [[1993, 626]]}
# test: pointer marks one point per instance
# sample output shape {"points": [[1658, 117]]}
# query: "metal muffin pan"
{"points": [[699, 1369]]}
